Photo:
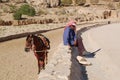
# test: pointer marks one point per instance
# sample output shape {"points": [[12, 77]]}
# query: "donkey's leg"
{"points": [[39, 67], [41, 62], [44, 60], [46, 55], [37, 57]]}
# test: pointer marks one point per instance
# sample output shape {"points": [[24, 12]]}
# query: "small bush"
{"points": [[24, 9], [32, 12], [17, 15], [111, 6], [118, 5], [66, 2], [80, 2], [94, 1], [27, 10]]}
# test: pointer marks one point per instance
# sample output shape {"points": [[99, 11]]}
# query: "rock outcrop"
{"points": [[43, 3], [15, 1]]}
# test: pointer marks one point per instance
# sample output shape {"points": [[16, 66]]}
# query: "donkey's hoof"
{"points": [[39, 71], [43, 68]]}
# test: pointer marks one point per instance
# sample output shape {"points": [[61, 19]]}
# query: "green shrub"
{"points": [[24, 9], [17, 15], [94, 1], [111, 6], [27, 10], [32, 12], [66, 2], [80, 2], [118, 5]]}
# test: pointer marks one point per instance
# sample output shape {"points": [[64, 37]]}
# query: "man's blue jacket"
{"points": [[69, 36]]}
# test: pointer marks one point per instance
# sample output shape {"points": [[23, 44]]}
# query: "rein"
{"points": [[41, 51]]}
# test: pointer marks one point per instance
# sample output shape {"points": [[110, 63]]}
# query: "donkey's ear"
{"points": [[27, 37], [31, 35], [36, 34]]}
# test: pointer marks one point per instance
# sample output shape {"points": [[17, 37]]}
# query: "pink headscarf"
{"points": [[72, 22]]}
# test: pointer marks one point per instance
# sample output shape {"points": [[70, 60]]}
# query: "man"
{"points": [[69, 35]]}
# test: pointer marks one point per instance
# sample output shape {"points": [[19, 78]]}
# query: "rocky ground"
{"points": [[18, 65], [15, 62]]}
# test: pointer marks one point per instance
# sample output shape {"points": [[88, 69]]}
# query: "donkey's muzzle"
{"points": [[27, 49]]}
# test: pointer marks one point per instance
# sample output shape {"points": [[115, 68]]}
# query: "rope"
{"points": [[41, 51]]}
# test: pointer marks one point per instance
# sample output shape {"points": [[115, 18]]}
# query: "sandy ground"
{"points": [[106, 62], [15, 64]]}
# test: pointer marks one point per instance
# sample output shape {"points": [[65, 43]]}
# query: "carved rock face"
{"points": [[43, 3], [37, 3], [16, 1]]}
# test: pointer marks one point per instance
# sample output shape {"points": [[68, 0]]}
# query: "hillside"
{"points": [[62, 11]]}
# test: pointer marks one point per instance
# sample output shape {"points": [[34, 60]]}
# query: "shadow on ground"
{"points": [[91, 54], [78, 71]]}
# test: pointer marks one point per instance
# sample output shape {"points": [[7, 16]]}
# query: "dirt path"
{"points": [[106, 61], [15, 64]]}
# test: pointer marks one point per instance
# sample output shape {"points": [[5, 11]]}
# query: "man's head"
{"points": [[73, 26]]}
